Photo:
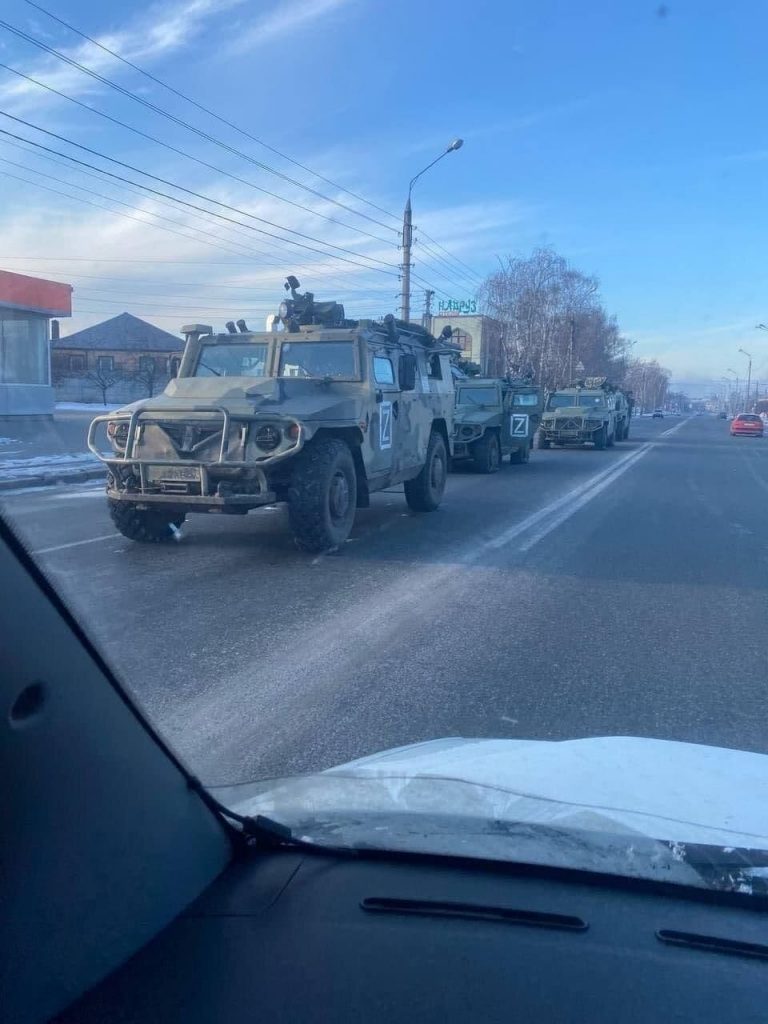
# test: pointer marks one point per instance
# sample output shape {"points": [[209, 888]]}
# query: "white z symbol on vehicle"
{"points": [[385, 425], [519, 425]]}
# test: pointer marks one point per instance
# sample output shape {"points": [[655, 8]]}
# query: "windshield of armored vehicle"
{"points": [[239, 360], [319, 359], [477, 396], [559, 401]]}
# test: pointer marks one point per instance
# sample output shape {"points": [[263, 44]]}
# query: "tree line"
{"points": [[556, 329]]}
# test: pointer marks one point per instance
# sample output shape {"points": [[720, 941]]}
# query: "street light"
{"points": [[729, 370], [749, 376], [405, 302]]}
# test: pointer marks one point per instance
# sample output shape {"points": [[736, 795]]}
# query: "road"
{"points": [[587, 593]]}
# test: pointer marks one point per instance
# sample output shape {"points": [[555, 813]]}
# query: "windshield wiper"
{"points": [[207, 367]]}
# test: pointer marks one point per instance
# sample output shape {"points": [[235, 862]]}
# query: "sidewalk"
{"points": [[34, 453]]}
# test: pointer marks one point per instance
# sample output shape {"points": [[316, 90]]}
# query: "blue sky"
{"points": [[630, 136]]}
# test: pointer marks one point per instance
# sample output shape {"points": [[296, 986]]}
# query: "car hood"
{"points": [[469, 415], [301, 399], [652, 801]]}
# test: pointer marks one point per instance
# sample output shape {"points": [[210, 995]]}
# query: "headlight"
{"points": [[117, 432], [468, 431], [284, 310], [268, 437]]}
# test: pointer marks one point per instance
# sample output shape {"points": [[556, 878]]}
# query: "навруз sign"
{"points": [[457, 306]]}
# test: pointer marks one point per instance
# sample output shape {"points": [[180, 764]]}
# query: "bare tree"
{"points": [[552, 319], [147, 376], [104, 379]]}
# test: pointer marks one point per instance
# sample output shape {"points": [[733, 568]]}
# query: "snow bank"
{"points": [[18, 469], [86, 407]]}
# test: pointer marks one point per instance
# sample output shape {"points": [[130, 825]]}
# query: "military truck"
{"points": [[318, 412], [591, 411], [493, 419]]}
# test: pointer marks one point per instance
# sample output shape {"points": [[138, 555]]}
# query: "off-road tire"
{"points": [[521, 455], [542, 443], [626, 432], [425, 491], [601, 438], [486, 454], [147, 527], [322, 495], [610, 440]]}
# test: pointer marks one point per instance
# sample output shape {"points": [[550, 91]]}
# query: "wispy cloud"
{"points": [[282, 20], [159, 32]]}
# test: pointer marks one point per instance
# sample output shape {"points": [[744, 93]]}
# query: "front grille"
{"points": [[186, 437], [567, 423]]}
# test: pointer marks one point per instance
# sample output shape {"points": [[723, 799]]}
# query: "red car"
{"points": [[747, 424]]}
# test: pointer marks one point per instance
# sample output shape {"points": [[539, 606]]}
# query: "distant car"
{"points": [[747, 424], [658, 414], [723, 415]]}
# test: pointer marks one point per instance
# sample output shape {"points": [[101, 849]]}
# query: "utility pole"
{"points": [[570, 351], [749, 377], [405, 266], [427, 318]]}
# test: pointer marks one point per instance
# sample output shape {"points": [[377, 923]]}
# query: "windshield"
{"points": [[477, 396], [241, 360], [334, 359], [472, 476], [577, 399]]}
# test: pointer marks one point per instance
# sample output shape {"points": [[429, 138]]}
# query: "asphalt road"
{"points": [[587, 593]]}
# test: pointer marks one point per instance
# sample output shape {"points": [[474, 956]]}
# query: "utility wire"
{"points": [[193, 158], [180, 121], [187, 191], [208, 111]]}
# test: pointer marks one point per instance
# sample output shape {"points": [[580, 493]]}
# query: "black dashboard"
{"points": [[297, 936]]}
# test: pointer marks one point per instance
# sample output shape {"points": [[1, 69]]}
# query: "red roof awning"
{"points": [[51, 298]]}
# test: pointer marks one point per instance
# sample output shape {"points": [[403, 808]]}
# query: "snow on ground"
{"points": [[13, 469], [86, 407], [9, 440]]}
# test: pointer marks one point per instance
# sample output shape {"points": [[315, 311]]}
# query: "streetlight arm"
{"points": [[456, 144]]}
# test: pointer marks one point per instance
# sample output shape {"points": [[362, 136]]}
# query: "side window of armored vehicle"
{"points": [[434, 369], [526, 399], [383, 370]]}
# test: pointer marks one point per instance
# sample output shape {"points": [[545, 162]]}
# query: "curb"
{"points": [[75, 476]]}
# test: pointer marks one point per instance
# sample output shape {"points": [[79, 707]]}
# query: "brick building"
{"points": [[27, 305], [119, 360]]}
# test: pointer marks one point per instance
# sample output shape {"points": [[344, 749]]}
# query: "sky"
{"points": [[631, 136]]}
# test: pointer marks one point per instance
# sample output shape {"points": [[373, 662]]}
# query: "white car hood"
{"points": [[662, 789], [675, 792]]}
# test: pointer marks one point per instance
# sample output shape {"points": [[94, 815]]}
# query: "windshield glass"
{"points": [[334, 359], [564, 401], [477, 475], [241, 360], [477, 396]]}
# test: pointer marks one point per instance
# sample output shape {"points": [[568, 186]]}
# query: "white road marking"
{"points": [[75, 544], [581, 496]]}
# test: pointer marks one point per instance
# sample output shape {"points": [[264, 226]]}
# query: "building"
{"points": [[119, 360], [479, 336], [27, 305]]}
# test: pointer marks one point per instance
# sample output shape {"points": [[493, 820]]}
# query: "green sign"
{"points": [[457, 306]]}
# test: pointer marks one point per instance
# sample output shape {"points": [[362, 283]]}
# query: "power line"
{"points": [[180, 121], [442, 249], [41, 45], [192, 157], [206, 110], [187, 191]]}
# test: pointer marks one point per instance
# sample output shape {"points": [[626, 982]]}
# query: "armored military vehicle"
{"points": [[591, 411], [319, 412], [493, 419]]}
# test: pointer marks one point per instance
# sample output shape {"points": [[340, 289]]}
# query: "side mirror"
{"points": [[407, 372]]}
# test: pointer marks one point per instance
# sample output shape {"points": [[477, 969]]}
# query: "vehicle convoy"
{"points": [[591, 411], [493, 419], [318, 412]]}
